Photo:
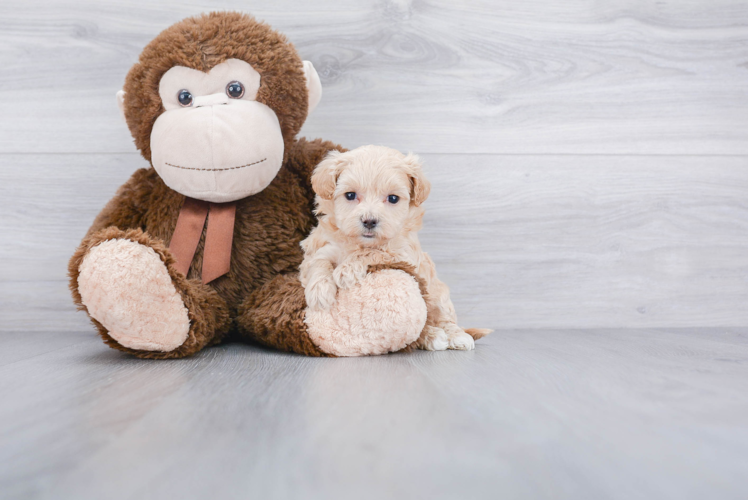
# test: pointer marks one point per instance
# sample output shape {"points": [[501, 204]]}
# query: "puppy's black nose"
{"points": [[369, 223]]}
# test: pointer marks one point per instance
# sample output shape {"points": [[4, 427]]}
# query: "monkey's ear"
{"points": [[313, 85], [420, 185], [121, 102], [326, 174]]}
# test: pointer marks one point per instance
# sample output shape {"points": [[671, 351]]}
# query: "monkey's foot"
{"points": [[127, 288], [384, 312]]}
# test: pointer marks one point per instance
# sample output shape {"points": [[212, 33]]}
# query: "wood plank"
{"points": [[439, 76], [523, 241], [585, 242], [560, 414], [39, 306]]}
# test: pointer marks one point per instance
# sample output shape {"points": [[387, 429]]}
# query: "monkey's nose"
{"points": [[210, 100], [369, 223]]}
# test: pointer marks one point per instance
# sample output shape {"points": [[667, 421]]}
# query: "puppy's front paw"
{"points": [[433, 339], [321, 294], [349, 273], [458, 339]]}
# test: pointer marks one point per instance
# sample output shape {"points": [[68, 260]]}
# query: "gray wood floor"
{"points": [[557, 414], [589, 163]]}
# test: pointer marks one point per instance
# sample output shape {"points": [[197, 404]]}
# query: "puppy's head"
{"points": [[371, 192]]}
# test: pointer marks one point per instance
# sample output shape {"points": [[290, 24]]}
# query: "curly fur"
{"points": [[369, 229]]}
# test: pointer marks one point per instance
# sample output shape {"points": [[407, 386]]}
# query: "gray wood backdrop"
{"points": [[589, 159]]}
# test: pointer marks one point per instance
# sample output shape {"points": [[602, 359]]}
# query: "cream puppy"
{"points": [[369, 210]]}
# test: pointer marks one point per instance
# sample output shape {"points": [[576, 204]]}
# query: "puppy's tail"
{"points": [[478, 333]]}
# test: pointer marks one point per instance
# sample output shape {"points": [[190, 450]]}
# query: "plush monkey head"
{"points": [[213, 103]]}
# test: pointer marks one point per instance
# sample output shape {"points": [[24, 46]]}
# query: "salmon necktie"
{"points": [[218, 237]]}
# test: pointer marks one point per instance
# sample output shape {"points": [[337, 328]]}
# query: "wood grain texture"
{"points": [[436, 76], [585, 241], [523, 241], [611, 414], [589, 163]]}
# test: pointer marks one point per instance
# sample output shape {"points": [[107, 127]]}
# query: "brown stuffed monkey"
{"points": [[203, 246]]}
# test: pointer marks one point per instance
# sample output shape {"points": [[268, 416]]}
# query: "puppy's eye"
{"points": [[185, 98], [235, 90], [393, 198], [350, 196]]}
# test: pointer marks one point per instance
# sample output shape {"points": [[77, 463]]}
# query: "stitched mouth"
{"points": [[216, 169]]}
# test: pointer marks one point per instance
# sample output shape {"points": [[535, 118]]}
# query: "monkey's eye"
{"points": [[350, 196], [185, 98], [393, 198], [235, 90]]}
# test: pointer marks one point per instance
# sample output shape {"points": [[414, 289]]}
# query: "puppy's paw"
{"points": [[349, 273], [459, 339], [433, 339], [321, 294]]}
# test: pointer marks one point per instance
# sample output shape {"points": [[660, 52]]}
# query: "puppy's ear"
{"points": [[325, 175], [419, 185]]}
